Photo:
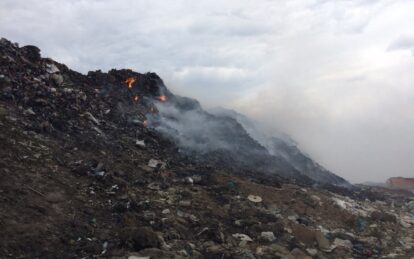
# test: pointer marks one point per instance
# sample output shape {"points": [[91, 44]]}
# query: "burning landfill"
{"points": [[114, 165]]}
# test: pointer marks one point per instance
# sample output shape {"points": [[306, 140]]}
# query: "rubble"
{"points": [[154, 163], [268, 236], [77, 182]]}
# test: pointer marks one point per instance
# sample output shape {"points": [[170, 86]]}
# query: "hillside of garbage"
{"points": [[114, 165]]}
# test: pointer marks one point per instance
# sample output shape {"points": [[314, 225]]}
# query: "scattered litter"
{"points": [[166, 211], [254, 198], [189, 180], [92, 118], [154, 163], [154, 186], [242, 237], [52, 68], [104, 247], [312, 251], [342, 243], [100, 174], [29, 111], [140, 143]]}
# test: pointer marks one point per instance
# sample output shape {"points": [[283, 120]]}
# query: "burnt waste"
{"points": [[114, 165], [223, 137]]}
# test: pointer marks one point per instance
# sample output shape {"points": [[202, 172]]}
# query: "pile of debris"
{"points": [[82, 175]]}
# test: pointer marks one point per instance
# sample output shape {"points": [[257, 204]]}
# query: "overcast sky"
{"points": [[338, 76]]}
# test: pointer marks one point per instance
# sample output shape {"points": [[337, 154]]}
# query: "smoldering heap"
{"points": [[114, 165]]}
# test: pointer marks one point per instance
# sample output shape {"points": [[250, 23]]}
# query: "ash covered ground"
{"points": [[93, 168]]}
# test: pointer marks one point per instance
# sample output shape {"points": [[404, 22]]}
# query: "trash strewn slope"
{"points": [[85, 174]]}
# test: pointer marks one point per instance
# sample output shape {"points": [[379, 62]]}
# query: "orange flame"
{"points": [[162, 98], [136, 98], [130, 81]]}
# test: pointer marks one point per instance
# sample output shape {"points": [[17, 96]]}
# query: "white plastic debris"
{"points": [[154, 163], [340, 202], [98, 130], [100, 174], [189, 180], [104, 247], [52, 68], [312, 251], [254, 198], [92, 118], [140, 143], [292, 218], [154, 186], [29, 111], [166, 211], [242, 237]]}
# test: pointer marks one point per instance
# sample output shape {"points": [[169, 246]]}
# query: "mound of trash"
{"points": [[104, 165]]}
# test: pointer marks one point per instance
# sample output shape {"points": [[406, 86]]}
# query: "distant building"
{"points": [[401, 183]]}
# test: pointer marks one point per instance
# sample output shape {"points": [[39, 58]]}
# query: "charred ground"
{"points": [[75, 181]]}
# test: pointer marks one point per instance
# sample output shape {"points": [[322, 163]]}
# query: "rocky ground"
{"points": [[82, 175]]}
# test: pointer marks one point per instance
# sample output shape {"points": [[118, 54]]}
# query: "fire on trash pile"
{"points": [[83, 174]]}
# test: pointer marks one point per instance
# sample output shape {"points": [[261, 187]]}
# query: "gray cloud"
{"points": [[322, 71], [402, 43]]}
